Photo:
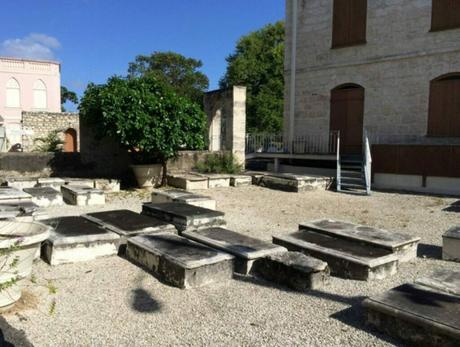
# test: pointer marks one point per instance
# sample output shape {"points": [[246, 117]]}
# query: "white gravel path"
{"points": [[111, 302]]}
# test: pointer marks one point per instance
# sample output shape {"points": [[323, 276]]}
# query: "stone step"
{"points": [[183, 196], [451, 244], [187, 181], [184, 216], [76, 239], [345, 185], [82, 195], [246, 249], [293, 269], [45, 196], [447, 281], [402, 245], [417, 314], [128, 223], [178, 261], [346, 258]]}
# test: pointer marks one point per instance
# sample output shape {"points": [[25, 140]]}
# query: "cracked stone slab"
{"points": [[129, 223], [451, 244], [178, 261], [45, 196], [447, 281], [183, 196], [403, 245], [76, 239], [184, 216], [346, 258], [13, 194], [416, 314], [82, 195]]}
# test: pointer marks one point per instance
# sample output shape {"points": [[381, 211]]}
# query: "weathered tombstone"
{"points": [[107, 185], [128, 223], [246, 249], [345, 258], [53, 182], [10, 194], [76, 239], [184, 216], [23, 211], [402, 245], [293, 269], [187, 181], [445, 280], [82, 195], [451, 244], [294, 183], [240, 180], [45, 196], [21, 182], [174, 195], [178, 261], [88, 182], [217, 180]]}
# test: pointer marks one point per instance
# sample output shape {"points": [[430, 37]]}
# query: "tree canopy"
{"points": [[180, 73], [258, 64], [67, 95], [146, 117]]}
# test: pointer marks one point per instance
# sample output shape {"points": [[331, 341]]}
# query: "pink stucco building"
{"points": [[27, 85]]}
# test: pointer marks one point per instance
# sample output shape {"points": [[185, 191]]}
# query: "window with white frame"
{"points": [[13, 92], [40, 97]]}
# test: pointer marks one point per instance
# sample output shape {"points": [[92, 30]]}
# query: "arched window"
{"points": [[13, 93], [40, 97], [444, 109], [349, 23]]}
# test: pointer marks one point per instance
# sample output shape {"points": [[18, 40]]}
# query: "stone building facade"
{"points": [[400, 57]]}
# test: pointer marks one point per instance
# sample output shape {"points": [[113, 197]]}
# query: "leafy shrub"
{"points": [[49, 143], [219, 163]]}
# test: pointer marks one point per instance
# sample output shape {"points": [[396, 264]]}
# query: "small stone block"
{"points": [[129, 223], [10, 194], [21, 182], [404, 246], [184, 216], [293, 269], [75, 239], [173, 195], [107, 185], [45, 196], [217, 180], [447, 281], [187, 181], [82, 195], [88, 182], [451, 244], [53, 182], [240, 181], [246, 249], [178, 261], [416, 314]]}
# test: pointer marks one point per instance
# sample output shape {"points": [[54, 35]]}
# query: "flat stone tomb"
{"points": [[294, 183], [129, 223], [24, 211], [13, 194], [346, 258], [451, 244], [184, 216], [21, 182], [187, 181], [293, 269], [217, 180], [76, 239], [404, 246], [447, 281], [72, 181], [175, 195], [53, 182], [240, 180], [45, 196], [178, 261], [417, 314], [245, 249], [82, 195]]}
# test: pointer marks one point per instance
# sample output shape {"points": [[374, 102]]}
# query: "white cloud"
{"points": [[33, 46]]}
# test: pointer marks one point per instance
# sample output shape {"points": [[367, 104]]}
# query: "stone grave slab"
{"points": [[293, 269], [256, 177], [184, 216], [76, 239], [45, 196], [346, 258], [416, 314], [53, 182], [108, 185], [216, 180], [183, 196], [82, 195], [246, 249], [187, 181], [23, 211], [451, 244], [447, 281], [295, 183], [128, 223], [178, 261], [71, 181], [21, 182], [404, 246], [10, 194], [240, 180]]}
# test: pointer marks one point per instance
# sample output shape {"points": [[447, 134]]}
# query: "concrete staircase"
{"points": [[351, 176]]}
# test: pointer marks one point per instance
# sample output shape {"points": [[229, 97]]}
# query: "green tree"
{"points": [[67, 95], [146, 117], [258, 64], [180, 73]]}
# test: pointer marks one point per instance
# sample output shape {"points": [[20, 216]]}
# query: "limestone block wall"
{"points": [[395, 67], [40, 124]]}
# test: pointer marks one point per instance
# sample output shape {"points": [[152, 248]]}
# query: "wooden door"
{"points": [[70, 140], [347, 111]]}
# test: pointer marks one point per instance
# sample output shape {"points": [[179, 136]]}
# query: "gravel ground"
{"points": [[111, 302]]}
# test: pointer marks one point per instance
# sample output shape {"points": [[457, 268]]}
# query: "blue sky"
{"points": [[94, 39]]}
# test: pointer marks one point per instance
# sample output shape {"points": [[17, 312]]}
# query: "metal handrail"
{"points": [[367, 157], [339, 177]]}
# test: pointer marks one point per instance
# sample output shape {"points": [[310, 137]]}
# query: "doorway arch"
{"points": [[347, 116], [70, 140]]}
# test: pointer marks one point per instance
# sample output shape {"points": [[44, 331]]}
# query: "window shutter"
{"points": [[445, 14], [349, 22]]}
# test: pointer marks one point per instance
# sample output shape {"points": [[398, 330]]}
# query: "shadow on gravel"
{"points": [[454, 207], [143, 302], [429, 251], [14, 337]]}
